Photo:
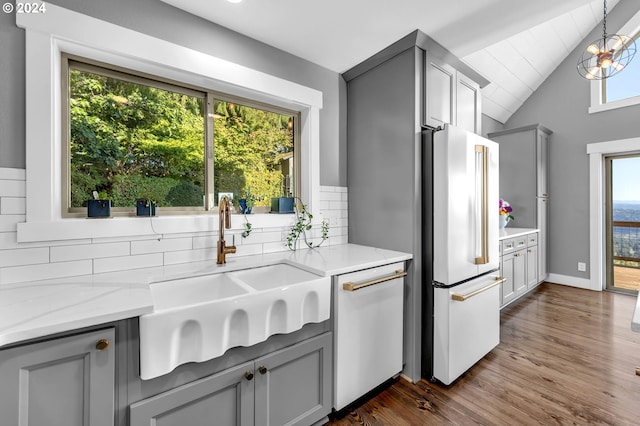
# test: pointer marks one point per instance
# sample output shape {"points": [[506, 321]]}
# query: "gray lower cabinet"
{"points": [[291, 386], [507, 271], [66, 381], [519, 266]]}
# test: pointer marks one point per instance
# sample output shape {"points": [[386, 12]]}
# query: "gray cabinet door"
{"points": [[222, 399], [293, 385], [440, 95], [60, 382], [520, 272], [468, 101], [508, 289], [532, 267]]}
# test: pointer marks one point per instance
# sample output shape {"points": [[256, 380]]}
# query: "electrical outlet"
{"points": [[582, 267]]}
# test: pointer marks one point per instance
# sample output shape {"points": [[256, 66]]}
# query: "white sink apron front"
{"points": [[199, 318]]}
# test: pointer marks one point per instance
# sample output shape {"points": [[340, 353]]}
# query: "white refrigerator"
{"points": [[464, 257]]}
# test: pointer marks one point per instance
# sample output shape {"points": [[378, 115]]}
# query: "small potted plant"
{"points": [[246, 202], [505, 213]]}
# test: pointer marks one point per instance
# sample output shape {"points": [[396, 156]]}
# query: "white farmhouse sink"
{"points": [[198, 318]]}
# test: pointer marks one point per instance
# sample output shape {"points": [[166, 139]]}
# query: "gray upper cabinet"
{"points": [[450, 97], [468, 104], [60, 382], [440, 96]]}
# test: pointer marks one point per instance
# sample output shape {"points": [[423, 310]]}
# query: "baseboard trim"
{"points": [[584, 283]]}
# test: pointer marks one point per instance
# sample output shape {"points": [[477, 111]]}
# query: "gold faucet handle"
{"points": [[230, 249]]}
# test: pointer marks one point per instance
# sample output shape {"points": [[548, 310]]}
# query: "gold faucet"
{"points": [[224, 219]]}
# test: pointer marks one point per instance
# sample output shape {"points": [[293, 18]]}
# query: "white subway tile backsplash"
{"points": [[89, 251], [13, 205], [260, 237], [250, 249], [174, 257], [274, 247], [9, 222], [332, 196], [205, 241], [337, 205], [27, 256], [162, 245], [123, 263], [20, 262], [18, 274], [7, 173], [13, 188]]}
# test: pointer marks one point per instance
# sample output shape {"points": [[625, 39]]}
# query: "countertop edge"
{"points": [[515, 232], [34, 310]]}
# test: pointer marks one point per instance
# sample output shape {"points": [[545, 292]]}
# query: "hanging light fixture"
{"points": [[606, 56]]}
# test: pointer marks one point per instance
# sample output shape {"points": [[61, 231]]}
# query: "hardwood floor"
{"points": [[567, 356], [626, 278]]}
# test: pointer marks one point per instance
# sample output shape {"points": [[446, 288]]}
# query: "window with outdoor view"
{"points": [[132, 136], [625, 84]]}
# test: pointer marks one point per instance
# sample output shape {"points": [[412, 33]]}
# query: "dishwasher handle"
{"points": [[350, 286], [462, 297]]}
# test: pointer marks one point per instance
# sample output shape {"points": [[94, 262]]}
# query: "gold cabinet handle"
{"points": [[462, 297], [349, 286], [262, 369], [248, 375], [102, 344]]}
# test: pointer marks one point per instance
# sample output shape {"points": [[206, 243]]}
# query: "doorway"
{"points": [[622, 216]]}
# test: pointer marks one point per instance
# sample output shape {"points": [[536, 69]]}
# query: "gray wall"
{"points": [[490, 125], [561, 103], [166, 22]]}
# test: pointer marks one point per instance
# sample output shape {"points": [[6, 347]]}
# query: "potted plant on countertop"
{"points": [[505, 213], [303, 224]]}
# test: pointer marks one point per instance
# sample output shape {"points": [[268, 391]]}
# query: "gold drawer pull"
{"points": [[349, 286], [462, 297]]}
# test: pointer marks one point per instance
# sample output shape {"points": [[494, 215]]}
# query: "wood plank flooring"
{"points": [[626, 278], [567, 356]]}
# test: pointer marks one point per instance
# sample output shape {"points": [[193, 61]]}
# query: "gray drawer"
{"points": [[507, 246], [512, 244]]}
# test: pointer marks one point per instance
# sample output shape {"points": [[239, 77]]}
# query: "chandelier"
{"points": [[606, 56]]}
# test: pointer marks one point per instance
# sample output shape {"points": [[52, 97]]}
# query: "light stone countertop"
{"points": [[515, 232], [36, 309]]}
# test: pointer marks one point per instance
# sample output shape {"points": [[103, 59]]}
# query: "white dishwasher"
{"points": [[368, 330]]}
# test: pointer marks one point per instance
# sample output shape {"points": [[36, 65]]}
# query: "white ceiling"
{"points": [[515, 44]]}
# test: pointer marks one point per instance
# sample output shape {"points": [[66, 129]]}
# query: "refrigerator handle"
{"points": [[482, 178]]}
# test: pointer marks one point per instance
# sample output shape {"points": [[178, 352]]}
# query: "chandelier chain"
{"points": [[604, 21]]}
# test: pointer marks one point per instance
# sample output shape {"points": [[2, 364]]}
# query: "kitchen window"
{"points": [[626, 84], [45, 42], [129, 135]]}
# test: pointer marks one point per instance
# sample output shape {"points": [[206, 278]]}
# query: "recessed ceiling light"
{"points": [[234, 1]]}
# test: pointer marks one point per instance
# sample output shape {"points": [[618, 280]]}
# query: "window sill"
{"points": [[622, 103], [132, 227]]}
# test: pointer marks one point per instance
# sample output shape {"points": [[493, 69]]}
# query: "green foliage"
{"points": [[132, 141], [302, 225]]}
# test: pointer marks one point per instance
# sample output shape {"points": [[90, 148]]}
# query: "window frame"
{"points": [[47, 36], [73, 62], [598, 87]]}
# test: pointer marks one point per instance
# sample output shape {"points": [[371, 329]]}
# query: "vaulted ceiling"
{"points": [[515, 44]]}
